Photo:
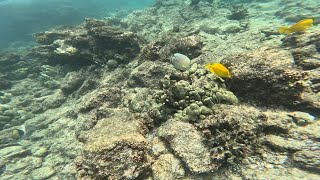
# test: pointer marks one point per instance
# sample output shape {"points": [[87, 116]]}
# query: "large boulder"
{"points": [[114, 149]]}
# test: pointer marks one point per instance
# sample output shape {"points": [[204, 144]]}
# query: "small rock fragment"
{"points": [[42, 151], [55, 100], [282, 144], [301, 118]]}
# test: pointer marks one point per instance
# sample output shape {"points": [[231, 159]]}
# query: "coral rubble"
{"points": [[102, 101]]}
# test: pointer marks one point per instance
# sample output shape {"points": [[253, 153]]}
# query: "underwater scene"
{"points": [[159, 89]]}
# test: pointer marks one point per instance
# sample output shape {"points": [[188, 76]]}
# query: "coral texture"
{"points": [[101, 100]]}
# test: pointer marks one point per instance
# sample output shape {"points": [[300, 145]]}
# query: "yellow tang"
{"points": [[219, 69], [299, 26]]}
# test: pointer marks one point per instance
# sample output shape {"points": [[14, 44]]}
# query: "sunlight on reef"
{"points": [[107, 99]]}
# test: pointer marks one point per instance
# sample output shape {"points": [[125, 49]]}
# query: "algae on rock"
{"points": [[186, 142], [114, 149]]}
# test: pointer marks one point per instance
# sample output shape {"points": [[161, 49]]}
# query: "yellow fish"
{"points": [[299, 26], [219, 69]]}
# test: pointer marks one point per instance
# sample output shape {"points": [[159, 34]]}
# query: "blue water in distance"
{"points": [[19, 19]]}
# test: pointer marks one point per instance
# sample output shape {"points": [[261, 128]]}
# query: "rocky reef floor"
{"points": [[101, 100]]}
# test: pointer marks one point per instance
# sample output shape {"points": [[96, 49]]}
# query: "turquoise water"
{"points": [[21, 18], [164, 89]]}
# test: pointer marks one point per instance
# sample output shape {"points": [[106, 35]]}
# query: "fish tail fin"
{"points": [[283, 30]]}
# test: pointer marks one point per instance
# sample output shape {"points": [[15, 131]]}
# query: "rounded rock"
{"points": [[112, 63], [43, 173], [301, 118], [41, 152], [205, 110]]}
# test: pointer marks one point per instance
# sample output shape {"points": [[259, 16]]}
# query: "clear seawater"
{"points": [[21, 18], [53, 106]]}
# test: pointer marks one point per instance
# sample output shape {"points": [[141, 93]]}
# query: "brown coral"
{"points": [[271, 77], [232, 133], [92, 42], [114, 149]]}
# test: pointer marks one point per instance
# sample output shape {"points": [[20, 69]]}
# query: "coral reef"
{"points": [[167, 167], [163, 49], [232, 133], [11, 61], [278, 76], [70, 45], [292, 16], [114, 150], [102, 101], [239, 12], [187, 144], [190, 96]]}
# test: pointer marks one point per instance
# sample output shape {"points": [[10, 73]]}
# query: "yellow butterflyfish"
{"points": [[299, 26], [219, 69]]}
